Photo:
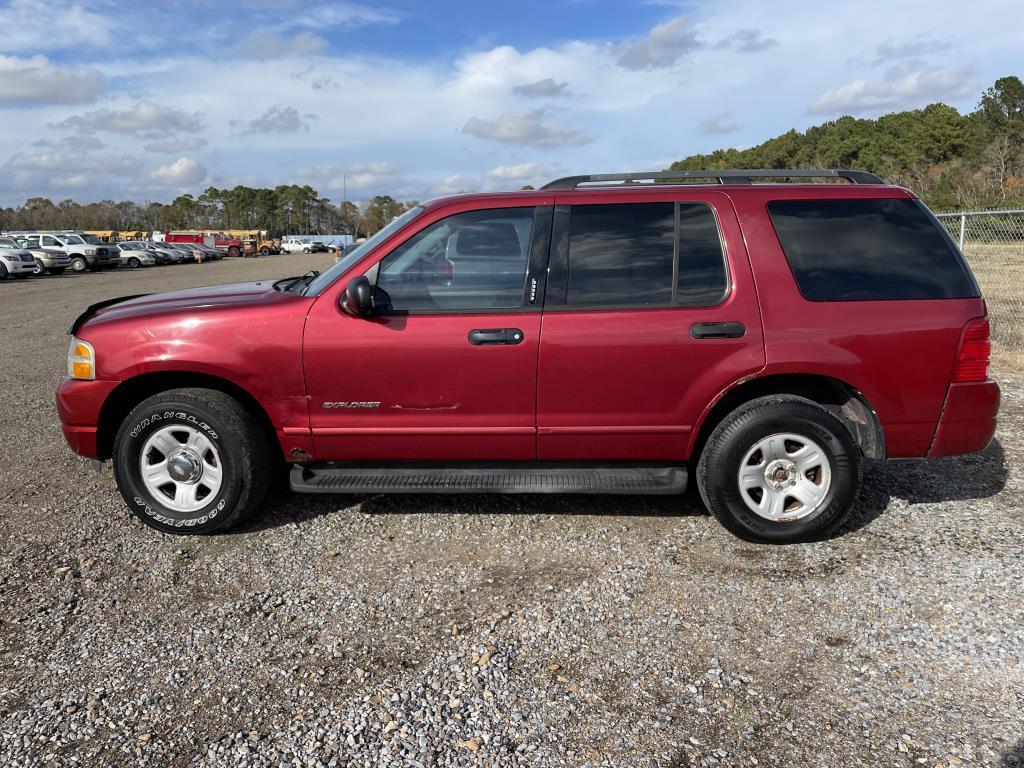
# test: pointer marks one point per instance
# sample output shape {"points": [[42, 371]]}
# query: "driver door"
{"points": [[446, 366]]}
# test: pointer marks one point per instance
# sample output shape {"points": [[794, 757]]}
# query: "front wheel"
{"points": [[191, 461], [40, 268], [79, 264], [780, 469], [134, 263]]}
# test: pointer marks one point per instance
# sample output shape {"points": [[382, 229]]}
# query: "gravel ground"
{"points": [[488, 631]]}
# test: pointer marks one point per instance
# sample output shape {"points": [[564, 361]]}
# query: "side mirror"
{"points": [[358, 297]]}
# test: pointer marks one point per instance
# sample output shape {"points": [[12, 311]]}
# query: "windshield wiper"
{"points": [[288, 283]]}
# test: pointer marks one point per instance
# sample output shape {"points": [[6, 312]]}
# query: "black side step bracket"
{"points": [[349, 477]]}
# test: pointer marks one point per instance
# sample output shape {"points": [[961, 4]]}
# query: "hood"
{"points": [[217, 297]]}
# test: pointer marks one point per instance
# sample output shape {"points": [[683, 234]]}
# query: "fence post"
{"points": [[963, 226]]}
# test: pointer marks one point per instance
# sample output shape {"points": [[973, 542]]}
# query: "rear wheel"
{"points": [[780, 469], [233, 251], [191, 461], [3, 271], [79, 264], [264, 251], [134, 263]]}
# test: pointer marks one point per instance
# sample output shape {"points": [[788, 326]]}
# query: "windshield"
{"points": [[73, 239], [350, 258], [8, 242], [92, 240]]}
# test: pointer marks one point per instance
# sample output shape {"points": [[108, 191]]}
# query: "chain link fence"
{"points": [[993, 242]]}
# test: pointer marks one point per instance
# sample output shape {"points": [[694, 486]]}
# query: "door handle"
{"points": [[730, 330], [495, 336]]}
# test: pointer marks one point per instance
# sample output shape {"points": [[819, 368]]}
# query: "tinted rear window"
{"points": [[863, 250]]}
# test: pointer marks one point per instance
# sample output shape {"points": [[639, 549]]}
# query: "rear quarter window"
{"points": [[869, 250]]}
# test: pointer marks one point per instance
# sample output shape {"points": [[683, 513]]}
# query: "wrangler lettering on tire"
{"points": [[191, 461]]}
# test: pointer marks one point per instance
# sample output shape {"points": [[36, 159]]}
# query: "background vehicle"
{"points": [[303, 246], [14, 260], [48, 260], [164, 255], [86, 252], [230, 246], [134, 256], [760, 339]]}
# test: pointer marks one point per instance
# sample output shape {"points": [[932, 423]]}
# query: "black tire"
{"points": [[233, 251], [134, 263], [721, 459], [3, 271], [79, 264], [245, 459], [40, 268], [264, 251]]}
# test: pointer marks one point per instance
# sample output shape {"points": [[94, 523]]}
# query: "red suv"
{"points": [[604, 334]]}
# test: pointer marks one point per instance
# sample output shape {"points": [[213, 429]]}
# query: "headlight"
{"points": [[81, 360], [90, 251]]}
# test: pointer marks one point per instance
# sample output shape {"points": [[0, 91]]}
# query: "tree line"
{"points": [[952, 161], [286, 209]]}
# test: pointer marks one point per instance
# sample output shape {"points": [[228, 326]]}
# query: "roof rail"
{"points": [[730, 176]]}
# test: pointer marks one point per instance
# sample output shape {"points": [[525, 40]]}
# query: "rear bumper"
{"points": [[968, 419], [79, 404]]}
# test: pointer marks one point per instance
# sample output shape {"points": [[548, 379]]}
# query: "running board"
{"points": [[347, 477]]}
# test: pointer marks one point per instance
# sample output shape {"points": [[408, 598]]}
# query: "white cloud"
{"points": [[145, 120], [915, 47], [267, 44], [546, 88], [67, 161], [520, 172], [37, 80], [718, 124], [47, 25], [665, 45], [529, 129], [901, 92], [341, 14], [173, 146], [747, 41], [183, 172], [77, 143], [277, 120]]}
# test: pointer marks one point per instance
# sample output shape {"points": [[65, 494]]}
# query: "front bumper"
{"points": [[21, 267], [968, 420], [79, 404]]}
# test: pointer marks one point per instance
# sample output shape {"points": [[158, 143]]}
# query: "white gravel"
{"points": [[489, 631]]}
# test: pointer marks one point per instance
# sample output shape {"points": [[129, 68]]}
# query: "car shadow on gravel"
{"points": [[1015, 757], [962, 478]]}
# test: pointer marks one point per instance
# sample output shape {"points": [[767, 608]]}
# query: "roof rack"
{"points": [[720, 176]]}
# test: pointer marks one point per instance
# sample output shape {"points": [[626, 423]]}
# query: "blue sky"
{"points": [[143, 101]]}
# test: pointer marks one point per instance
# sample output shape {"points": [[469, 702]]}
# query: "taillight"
{"points": [[975, 351]]}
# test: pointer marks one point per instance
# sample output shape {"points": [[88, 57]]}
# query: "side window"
{"points": [[868, 250], [49, 241], [644, 255], [621, 255], [470, 261]]}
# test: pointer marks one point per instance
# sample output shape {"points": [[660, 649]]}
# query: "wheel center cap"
{"points": [[185, 466], [781, 474]]}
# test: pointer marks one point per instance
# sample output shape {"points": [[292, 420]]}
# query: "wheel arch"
{"points": [[130, 392], [844, 401]]}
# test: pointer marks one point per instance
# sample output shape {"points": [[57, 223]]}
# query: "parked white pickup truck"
{"points": [[86, 251]]}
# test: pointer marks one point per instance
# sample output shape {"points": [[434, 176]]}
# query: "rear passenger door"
{"points": [[650, 312]]}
